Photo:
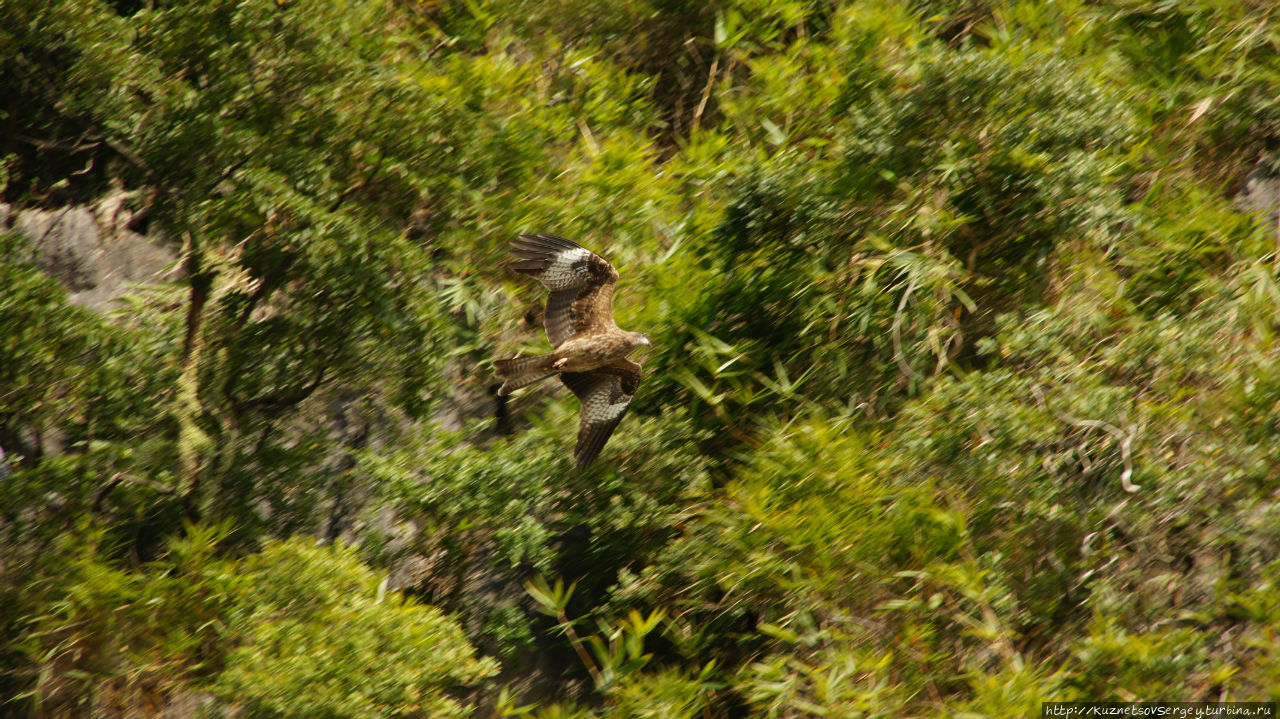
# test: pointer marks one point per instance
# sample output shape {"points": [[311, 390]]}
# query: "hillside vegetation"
{"points": [[964, 392]]}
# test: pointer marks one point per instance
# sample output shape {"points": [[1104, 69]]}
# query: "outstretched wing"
{"points": [[605, 393], [580, 283]]}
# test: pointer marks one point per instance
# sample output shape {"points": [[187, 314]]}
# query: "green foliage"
{"points": [[251, 142], [328, 641], [295, 630], [615, 658], [110, 639], [498, 512], [936, 203], [667, 695], [834, 683], [77, 423]]}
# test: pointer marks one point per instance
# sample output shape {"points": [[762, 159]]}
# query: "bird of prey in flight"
{"points": [[589, 351]]}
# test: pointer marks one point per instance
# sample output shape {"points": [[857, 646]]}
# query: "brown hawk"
{"points": [[589, 350]]}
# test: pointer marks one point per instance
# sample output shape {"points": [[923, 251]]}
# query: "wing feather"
{"points": [[579, 282], [606, 393]]}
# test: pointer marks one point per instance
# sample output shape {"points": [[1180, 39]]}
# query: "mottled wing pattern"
{"points": [[580, 283], [605, 394]]}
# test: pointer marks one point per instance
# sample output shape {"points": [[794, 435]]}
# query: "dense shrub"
{"points": [[291, 631]]}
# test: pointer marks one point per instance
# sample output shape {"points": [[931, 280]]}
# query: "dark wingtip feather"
{"points": [[534, 266], [594, 444], [546, 243], [585, 458], [536, 252]]}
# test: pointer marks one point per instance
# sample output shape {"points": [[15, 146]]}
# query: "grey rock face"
{"points": [[66, 241], [91, 250], [1260, 195]]}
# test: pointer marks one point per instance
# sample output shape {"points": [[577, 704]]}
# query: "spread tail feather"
{"points": [[523, 371]]}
